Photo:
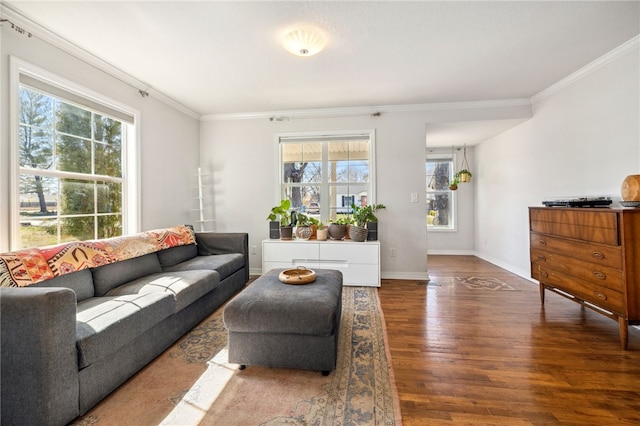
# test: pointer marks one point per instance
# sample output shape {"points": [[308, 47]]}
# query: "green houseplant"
{"points": [[362, 215], [338, 227], [285, 217], [453, 185], [463, 175], [305, 226]]}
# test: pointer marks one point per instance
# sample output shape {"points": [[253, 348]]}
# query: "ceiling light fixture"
{"points": [[305, 40]]}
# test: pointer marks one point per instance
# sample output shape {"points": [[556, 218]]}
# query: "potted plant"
{"points": [[323, 232], [453, 185], [338, 227], [463, 175], [362, 215], [286, 218], [304, 228]]}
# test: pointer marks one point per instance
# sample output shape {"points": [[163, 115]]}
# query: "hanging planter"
{"points": [[464, 175]]}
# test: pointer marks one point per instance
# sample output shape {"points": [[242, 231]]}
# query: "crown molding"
{"points": [[362, 111], [65, 45], [605, 59]]}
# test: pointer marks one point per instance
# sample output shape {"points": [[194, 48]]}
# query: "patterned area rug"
{"points": [[193, 384], [471, 283]]}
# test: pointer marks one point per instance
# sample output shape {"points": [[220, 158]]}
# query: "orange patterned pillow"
{"points": [[25, 267]]}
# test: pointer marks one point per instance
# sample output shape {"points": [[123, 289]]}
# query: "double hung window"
{"points": [[440, 199], [323, 175], [71, 154]]}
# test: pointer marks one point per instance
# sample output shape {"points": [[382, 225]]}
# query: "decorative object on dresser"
{"points": [[589, 255], [630, 189]]}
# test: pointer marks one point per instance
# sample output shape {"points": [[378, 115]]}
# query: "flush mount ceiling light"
{"points": [[305, 40]]}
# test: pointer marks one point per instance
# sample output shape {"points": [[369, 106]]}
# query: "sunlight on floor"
{"points": [[195, 404]]}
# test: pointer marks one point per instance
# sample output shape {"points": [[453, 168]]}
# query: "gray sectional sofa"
{"points": [[69, 341]]}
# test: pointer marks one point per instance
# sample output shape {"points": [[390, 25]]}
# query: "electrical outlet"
{"points": [[253, 249], [393, 252], [414, 197]]}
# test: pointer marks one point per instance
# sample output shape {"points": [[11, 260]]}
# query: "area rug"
{"points": [[193, 384]]}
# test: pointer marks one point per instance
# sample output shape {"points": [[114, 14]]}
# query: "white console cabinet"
{"points": [[358, 262]]}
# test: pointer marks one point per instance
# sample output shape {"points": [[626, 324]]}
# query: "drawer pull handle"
{"points": [[542, 258], [542, 242], [597, 255], [544, 274], [600, 295], [600, 275]]}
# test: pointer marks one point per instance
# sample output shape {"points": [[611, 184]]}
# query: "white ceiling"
{"points": [[218, 57]]}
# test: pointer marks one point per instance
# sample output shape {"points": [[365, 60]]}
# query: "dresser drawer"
{"points": [[587, 225], [597, 274], [599, 254], [604, 297]]}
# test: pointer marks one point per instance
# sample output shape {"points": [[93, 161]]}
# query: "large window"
{"points": [[71, 159], [323, 175], [440, 199]]}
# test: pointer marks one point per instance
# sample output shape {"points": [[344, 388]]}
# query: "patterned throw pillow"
{"points": [[25, 267]]}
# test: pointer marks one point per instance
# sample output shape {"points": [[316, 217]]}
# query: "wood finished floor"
{"points": [[480, 357]]}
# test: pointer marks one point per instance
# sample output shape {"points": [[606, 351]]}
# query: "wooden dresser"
{"points": [[590, 255]]}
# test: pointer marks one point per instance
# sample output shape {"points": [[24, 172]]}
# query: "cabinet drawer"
{"points": [[273, 252], [355, 274], [598, 254], [587, 225], [597, 274], [598, 295], [351, 252]]}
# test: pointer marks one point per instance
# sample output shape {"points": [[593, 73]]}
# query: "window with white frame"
{"points": [[72, 154], [440, 198], [323, 174]]}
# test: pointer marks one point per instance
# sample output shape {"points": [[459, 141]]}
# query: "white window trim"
{"points": [[371, 133], [454, 194], [131, 162]]}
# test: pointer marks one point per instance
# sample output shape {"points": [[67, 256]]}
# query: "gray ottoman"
{"points": [[281, 325]]}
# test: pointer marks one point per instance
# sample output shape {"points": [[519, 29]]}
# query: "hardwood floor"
{"points": [[473, 356]]}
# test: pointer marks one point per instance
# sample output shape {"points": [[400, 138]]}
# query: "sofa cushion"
{"points": [[81, 282], [105, 324], [114, 274], [184, 286], [225, 264], [174, 255]]}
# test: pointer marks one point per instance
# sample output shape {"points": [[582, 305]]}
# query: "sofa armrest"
{"points": [[223, 243], [39, 361]]}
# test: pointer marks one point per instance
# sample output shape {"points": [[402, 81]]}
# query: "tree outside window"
{"points": [[322, 176], [440, 199], [71, 176]]}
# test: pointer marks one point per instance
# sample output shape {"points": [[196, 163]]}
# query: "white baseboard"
{"points": [[417, 275], [450, 253]]}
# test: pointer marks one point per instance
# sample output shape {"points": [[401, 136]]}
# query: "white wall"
{"points": [[168, 149], [242, 156], [582, 141]]}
